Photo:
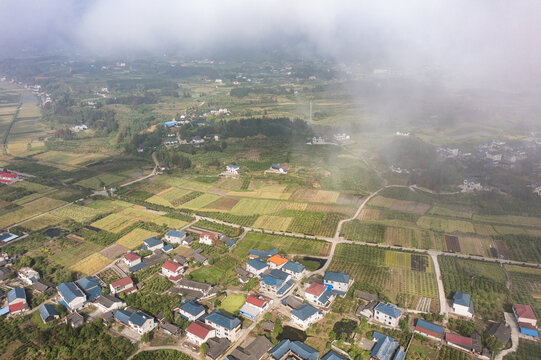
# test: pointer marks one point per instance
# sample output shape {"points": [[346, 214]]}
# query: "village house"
{"points": [[200, 258], [172, 270], [253, 351], [47, 312], [367, 310], [278, 169], [187, 286], [17, 302], [333, 355], [337, 281], [276, 261], [191, 310], [287, 349], [318, 294], [131, 259], [124, 285], [341, 137], [207, 238], [152, 244], [500, 331], [387, 313], [90, 286], [460, 342], [78, 128], [225, 326], [199, 332], [318, 140], [526, 319], [305, 315], [233, 169], [196, 140], [175, 236], [262, 255], [75, 320], [254, 306], [462, 304], [167, 248], [137, 320], [180, 259], [429, 329], [8, 177], [276, 282], [243, 275], [28, 275], [471, 185], [71, 296], [106, 303], [256, 267], [385, 347], [293, 268]]}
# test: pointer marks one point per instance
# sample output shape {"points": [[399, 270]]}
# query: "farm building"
{"points": [[387, 313], [462, 304], [17, 302], [458, 341], [501, 332], [8, 177], [278, 169], [524, 314], [286, 349], [75, 320], [428, 329], [305, 315], [170, 124], [275, 281]]}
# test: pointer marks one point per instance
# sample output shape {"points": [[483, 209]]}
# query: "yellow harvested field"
{"points": [[114, 223], [275, 223], [266, 191], [158, 200], [475, 245], [370, 214], [91, 264], [166, 190], [200, 201], [326, 196], [8, 110], [135, 238], [381, 201], [42, 222]]}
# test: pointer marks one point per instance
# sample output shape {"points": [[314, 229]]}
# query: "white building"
{"points": [[318, 295], [172, 270], [191, 310], [28, 275], [387, 313], [339, 281], [305, 315], [206, 238], [199, 332], [175, 236], [462, 304], [256, 267], [225, 326], [233, 169], [131, 259], [471, 185]]}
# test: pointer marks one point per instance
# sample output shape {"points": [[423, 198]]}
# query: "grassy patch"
{"points": [[232, 303]]}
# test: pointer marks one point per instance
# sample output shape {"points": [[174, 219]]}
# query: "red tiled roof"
{"points": [[5, 181], [171, 266], [210, 235], [526, 326], [175, 278], [16, 307], [199, 329], [316, 289], [122, 282], [131, 256], [255, 301], [524, 311], [129, 290], [459, 340], [428, 332], [7, 175]]}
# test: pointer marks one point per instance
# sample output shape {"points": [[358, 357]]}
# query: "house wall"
{"points": [[462, 310], [77, 303], [385, 319]]}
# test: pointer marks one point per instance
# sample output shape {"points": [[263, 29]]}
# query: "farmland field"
{"points": [[525, 286], [208, 274], [98, 182], [91, 264], [42, 222], [441, 211], [445, 225], [270, 222], [284, 244], [114, 223], [255, 206], [200, 201], [113, 251], [30, 209], [398, 236], [71, 255], [361, 231], [78, 213], [370, 214], [222, 204], [135, 238], [313, 223]]}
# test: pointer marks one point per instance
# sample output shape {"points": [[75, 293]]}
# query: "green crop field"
{"points": [[98, 182], [446, 212], [114, 223], [200, 201], [445, 225], [78, 213], [232, 303], [208, 274], [255, 206], [313, 223], [270, 222], [363, 231], [284, 244], [525, 286], [72, 254]]}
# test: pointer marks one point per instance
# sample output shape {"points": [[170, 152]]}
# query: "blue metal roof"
{"points": [[123, 316], [304, 311], [272, 281], [167, 248], [193, 308], [153, 241], [69, 291], [429, 326], [231, 243], [264, 254], [176, 233], [293, 266], [170, 123], [400, 354], [462, 299], [222, 320], [389, 309], [285, 287], [257, 264], [384, 348], [138, 267], [47, 310], [529, 331], [302, 350], [16, 293], [279, 274], [333, 355], [7, 237], [139, 318], [4, 311], [90, 286], [325, 296], [336, 276]]}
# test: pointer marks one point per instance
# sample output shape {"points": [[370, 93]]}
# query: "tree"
{"points": [[493, 344], [204, 348], [147, 336], [277, 327]]}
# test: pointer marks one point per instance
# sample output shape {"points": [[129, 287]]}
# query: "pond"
{"points": [[312, 263], [292, 334]]}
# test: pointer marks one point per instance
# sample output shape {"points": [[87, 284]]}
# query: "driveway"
{"points": [[510, 321]]}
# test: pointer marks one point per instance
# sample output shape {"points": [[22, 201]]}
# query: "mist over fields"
{"points": [[483, 43]]}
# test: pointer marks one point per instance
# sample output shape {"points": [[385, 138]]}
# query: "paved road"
{"points": [[444, 308], [153, 173], [510, 320]]}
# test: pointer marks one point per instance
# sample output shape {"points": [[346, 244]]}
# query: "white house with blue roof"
{"points": [[333, 355], [138, 320], [71, 296], [91, 287], [275, 282], [175, 236], [387, 313], [337, 281], [152, 244], [256, 267], [233, 169], [286, 349], [305, 315], [191, 310], [47, 312], [226, 326], [384, 348], [462, 304], [295, 269]]}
